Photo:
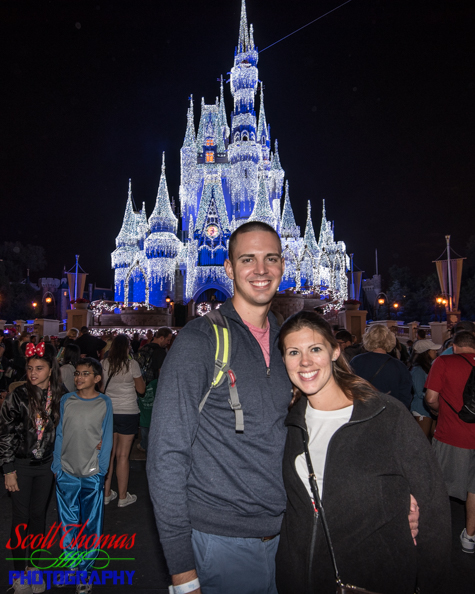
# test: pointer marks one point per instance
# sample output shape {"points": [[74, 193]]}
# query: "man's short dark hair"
{"points": [[464, 326], [344, 335], [163, 332], [247, 228], [464, 339], [84, 329], [421, 334], [92, 364]]}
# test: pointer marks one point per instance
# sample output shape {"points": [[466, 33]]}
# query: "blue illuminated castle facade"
{"points": [[229, 175]]}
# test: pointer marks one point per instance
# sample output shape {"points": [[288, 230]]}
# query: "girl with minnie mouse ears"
{"points": [[28, 420]]}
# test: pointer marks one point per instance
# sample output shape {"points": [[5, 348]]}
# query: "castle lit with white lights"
{"points": [[230, 174]]}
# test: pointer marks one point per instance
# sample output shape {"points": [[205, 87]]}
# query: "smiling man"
{"points": [[218, 493]]}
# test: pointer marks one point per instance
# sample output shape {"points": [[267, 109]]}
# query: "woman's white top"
{"points": [[121, 388], [321, 425]]}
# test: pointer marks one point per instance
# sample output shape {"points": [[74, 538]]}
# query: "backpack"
{"points": [[221, 365], [144, 358], [467, 412]]}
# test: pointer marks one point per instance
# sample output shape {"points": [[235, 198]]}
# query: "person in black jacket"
{"points": [[386, 373], [368, 457], [28, 419], [90, 345]]}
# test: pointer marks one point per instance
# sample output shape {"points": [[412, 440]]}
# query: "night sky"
{"points": [[373, 107]]}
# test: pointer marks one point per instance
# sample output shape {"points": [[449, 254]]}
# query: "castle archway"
{"points": [[211, 292], [127, 281]]}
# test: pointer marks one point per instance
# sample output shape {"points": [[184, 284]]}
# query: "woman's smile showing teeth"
{"points": [[308, 375]]}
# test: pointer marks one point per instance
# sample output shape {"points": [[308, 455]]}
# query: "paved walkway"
{"points": [[151, 575]]}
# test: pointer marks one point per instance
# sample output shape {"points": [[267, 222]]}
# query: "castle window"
{"points": [[236, 137], [209, 157], [209, 142], [245, 136]]}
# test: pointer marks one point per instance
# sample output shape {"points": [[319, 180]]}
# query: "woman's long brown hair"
{"points": [[118, 354], [35, 394], [354, 387]]}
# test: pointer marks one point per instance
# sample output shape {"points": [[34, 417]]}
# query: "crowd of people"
{"points": [[280, 458], [69, 416]]}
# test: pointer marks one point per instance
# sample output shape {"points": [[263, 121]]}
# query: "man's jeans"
{"points": [[228, 565]]}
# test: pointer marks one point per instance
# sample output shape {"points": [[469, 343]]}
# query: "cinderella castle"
{"points": [[229, 175]]}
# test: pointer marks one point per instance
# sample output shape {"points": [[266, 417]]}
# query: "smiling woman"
{"points": [[361, 446]]}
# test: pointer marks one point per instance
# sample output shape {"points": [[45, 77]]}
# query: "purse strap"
{"points": [[107, 383], [318, 502], [380, 369]]}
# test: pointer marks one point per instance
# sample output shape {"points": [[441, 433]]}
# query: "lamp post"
{"points": [[441, 302], [396, 307], [381, 300]]}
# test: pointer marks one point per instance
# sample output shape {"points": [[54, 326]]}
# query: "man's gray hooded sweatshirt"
{"points": [[201, 473]]}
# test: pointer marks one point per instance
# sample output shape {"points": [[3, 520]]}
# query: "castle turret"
{"points": [[288, 227], [127, 245], [222, 123], [262, 131], [188, 183], [244, 153], [262, 210], [162, 246], [309, 237]]}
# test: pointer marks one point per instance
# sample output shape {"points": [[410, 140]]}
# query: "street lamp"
{"points": [[381, 299], [34, 304], [48, 300], [395, 305], [441, 302]]}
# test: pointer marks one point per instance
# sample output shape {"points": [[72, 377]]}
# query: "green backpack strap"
{"points": [[222, 370]]}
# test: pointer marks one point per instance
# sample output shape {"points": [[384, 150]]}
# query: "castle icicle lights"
{"points": [[229, 175]]}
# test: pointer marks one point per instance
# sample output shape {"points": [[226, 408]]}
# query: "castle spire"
{"points": [[276, 161], [322, 240], [262, 136], [309, 237], [243, 42], [162, 217], [128, 231], [262, 210], [288, 226], [222, 110], [190, 138]]}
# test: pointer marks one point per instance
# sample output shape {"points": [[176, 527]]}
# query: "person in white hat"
{"points": [[424, 353]]}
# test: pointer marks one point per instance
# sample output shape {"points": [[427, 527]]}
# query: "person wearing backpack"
{"points": [[454, 438], [146, 405], [152, 355]]}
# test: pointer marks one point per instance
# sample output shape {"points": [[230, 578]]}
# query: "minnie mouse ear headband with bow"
{"points": [[32, 350]]}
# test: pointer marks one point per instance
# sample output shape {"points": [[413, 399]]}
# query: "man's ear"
{"points": [[228, 268]]}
